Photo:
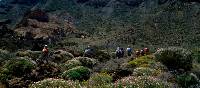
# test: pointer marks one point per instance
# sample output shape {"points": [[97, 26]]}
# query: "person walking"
{"points": [[88, 52], [45, 53], [129, 50]]}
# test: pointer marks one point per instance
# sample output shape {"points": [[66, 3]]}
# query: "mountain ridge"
{"points": [[149, 20]]}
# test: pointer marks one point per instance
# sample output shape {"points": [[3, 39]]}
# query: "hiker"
{"points": [[129, 50], [122, 52], [142, 52], [45, 53], [158, 49], [118, 52], [82, 36], [146, 51], [88, 52], [137, 53]]}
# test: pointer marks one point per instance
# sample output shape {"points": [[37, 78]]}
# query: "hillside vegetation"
{"points": [[166, 68]]}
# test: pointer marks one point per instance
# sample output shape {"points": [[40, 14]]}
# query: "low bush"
{"points": [[175, 58], [144, 61], [77, 73], [5, 55], [4, 77], [196, 69], [61, 56], [87, 62], [18, 67], [196, 54], [55, 83], [102, 56], [13, 69], [142, 82], [143, 71], [99, 79], [29, 53], [23, 54], [71, 64], [187, 80]]}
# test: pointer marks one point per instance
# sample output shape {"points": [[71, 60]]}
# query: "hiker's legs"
{"points": [[46, 58], [129, 53]]}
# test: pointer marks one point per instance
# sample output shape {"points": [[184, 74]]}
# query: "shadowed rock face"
{"points": [[15, 9], [24, 2], [5, 21], [190, 0], [81, 1], [8, 7], [131, 2], [39, 15], [35, 28], [38, 28], [43, 25]]}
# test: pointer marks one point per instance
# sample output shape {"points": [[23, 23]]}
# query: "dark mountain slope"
{"points": [[156, 23]]}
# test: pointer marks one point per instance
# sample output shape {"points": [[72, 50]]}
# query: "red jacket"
{"points": [[45, 50]]}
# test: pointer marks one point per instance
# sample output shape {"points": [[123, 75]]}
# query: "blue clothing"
{"points": [[129, 51]]}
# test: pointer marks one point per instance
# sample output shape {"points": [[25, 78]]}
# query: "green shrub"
{"points": [[85, 61], [15, 68], [23, 54], [99, 79], [187, 80], [196, 69], [143, 71], [196, 54], [18, 67], [29, 53], [102, 56], [144, 61], [71, 64], [4, 77], [175, 58], [77, 73], [61, 56], [54, 83], [142, 82], [5, 55]]}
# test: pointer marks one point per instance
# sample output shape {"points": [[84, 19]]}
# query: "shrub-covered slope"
{"points": [[158, 70]]}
